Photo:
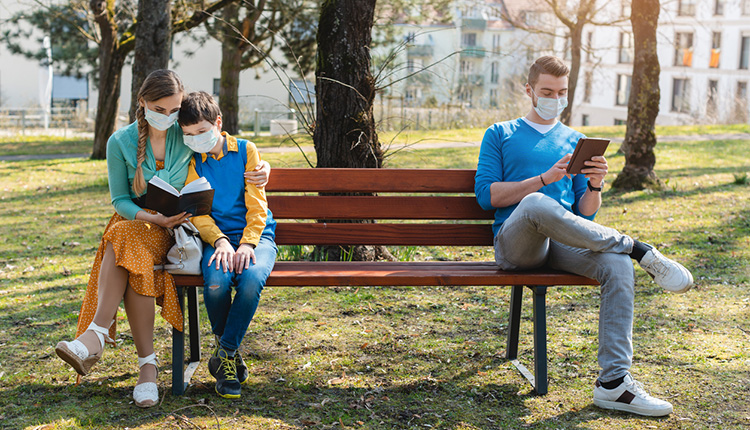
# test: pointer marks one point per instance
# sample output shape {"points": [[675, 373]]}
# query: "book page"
{"points": [[199, 184], [164, 185]]}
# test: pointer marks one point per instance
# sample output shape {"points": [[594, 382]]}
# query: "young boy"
{"points": [[239, 249]]}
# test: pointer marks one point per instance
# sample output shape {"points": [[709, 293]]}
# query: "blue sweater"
{"points": [[229, 210], [513, 151]]}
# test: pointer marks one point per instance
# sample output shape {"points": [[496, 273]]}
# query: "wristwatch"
{"points": [[593, 188]]}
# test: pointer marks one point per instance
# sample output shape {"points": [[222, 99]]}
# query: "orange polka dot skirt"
{"points": [[138, 246]]}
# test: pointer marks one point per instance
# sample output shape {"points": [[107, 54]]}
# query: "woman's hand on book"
{"points": [[223, 255], [259, 176], [163, 220], [245, 253]]}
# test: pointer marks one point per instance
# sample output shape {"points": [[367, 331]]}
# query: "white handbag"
{"points": [[184, 258]]}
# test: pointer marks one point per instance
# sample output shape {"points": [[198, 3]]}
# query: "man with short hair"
{"points": [[543, 217]]}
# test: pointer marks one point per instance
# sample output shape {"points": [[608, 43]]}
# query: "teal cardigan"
{"points": [[122, 148]]}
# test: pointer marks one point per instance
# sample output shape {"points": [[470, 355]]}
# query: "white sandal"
{"points": [[77, 355], [146, 394]]}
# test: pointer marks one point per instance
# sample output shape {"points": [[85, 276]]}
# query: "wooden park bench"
{"points": [[432, 207]]}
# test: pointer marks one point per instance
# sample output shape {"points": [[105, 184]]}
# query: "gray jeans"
{"points": [[541, 232]]}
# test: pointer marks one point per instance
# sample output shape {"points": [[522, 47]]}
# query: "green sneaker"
{"points": [[223, 368]]}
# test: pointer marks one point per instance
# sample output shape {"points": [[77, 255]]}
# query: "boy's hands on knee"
{"points": [[259, 176], [223, 255], [245, 253]]}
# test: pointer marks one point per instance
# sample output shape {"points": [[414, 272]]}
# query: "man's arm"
{"points": [[504, 194]]}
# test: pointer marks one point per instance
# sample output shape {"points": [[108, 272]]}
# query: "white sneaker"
{"points": [[668, 273], [630, 397]]}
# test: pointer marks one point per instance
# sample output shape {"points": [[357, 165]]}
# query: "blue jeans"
{"points": [[540, 231], [231, 318]]}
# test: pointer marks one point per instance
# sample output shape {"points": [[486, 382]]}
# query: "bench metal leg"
{"points": [[195, 334], [178, 350], [540, 339], [181, 375], [514, 322]]}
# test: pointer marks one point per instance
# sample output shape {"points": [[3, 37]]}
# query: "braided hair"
{"points": [[157, 85]]}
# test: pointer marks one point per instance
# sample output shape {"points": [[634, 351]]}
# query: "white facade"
{"points": [[477, 61], [260, 88], [703, 49]]}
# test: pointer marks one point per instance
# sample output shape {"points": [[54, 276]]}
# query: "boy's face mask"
{"points": [[548, 108], [160, 121], [203, 142]]}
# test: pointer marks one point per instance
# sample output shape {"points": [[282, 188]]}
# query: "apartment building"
{"points": [[704, 54]]}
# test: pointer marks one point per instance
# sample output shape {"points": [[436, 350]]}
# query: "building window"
{"points": [[711, 105], [589, 43], [587, 80], [620, 122], [412, 96], [683, 49], [469, 39], [623, 90], [493, 97], [217, 86], [584, 119], [680, 95], [741, 103], [467, 67], [713, 62], [626, 48], [745, 7], [686, 8], [745, 52], [465, 96], [496, 43], [494, 72], [409, 37], [413, 65], [719, 7]]}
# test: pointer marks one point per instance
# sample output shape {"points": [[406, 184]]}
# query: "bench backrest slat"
{"points": [[377, 207], [372, 180], [411, 195], [383, 234]]}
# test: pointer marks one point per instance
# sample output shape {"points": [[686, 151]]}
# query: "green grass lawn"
{"points": [[392, 358], [23, 145]]}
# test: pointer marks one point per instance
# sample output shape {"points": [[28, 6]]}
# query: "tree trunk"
{"points": [[153, 43], [111, 61], [231, 66], [643, 104], [576, 35], [344, 133]]}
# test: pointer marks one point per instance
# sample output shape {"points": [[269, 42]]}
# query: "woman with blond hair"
{"points": [[136, 238]]}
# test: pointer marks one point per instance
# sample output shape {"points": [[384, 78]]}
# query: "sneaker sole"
{"points": [[619, 406], [227, 396]]}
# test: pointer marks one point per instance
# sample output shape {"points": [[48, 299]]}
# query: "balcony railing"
{"points": [[420, 50], [472, 80], [474, 24], [474, 51]]}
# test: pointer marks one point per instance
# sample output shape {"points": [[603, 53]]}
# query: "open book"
{"points": [[195, 198]]}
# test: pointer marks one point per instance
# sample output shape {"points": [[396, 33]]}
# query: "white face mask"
{"points": [[203, 142], [160, 121], [548, 108]]}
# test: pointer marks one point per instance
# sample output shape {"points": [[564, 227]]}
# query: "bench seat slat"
{"points": [[291, 233], [377, 207], [329, 273], [372, 180]]}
